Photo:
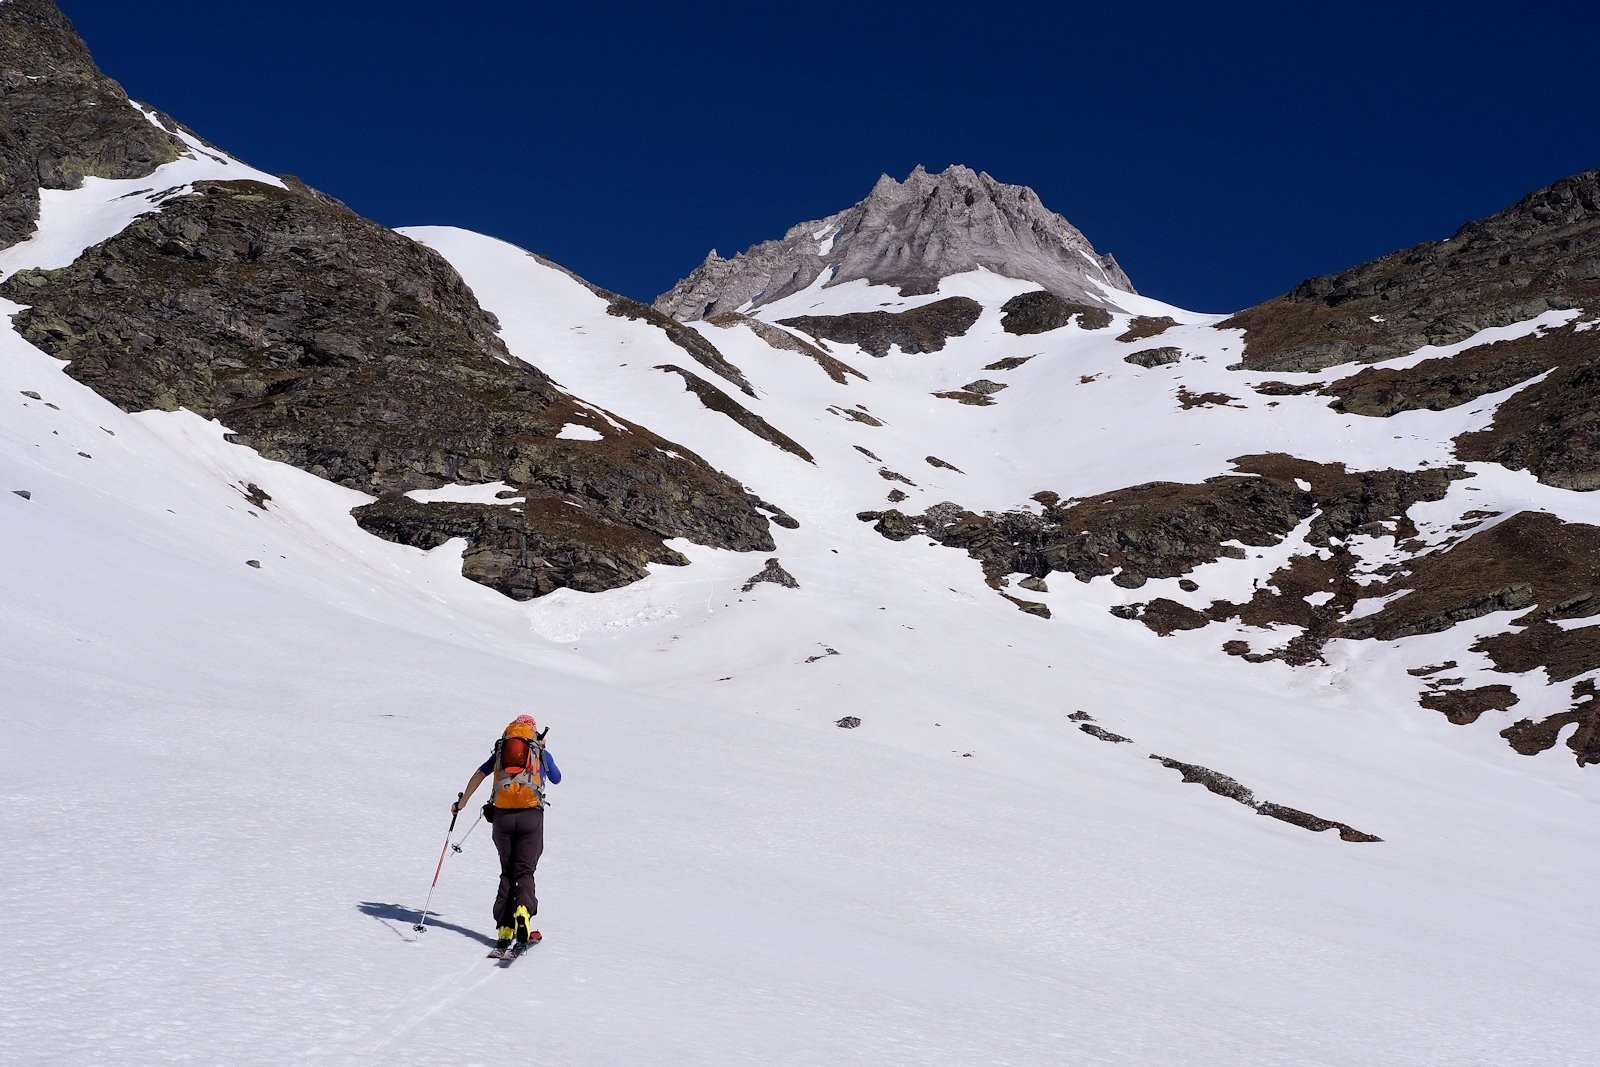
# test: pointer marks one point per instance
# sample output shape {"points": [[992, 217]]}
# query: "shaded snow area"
{"points": [[233, 725]]}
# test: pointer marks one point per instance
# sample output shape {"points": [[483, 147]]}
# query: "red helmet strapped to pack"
{"points": [[518, 766]]}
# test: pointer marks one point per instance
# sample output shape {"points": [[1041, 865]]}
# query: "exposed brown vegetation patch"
{"points": [[1450, 381], [1532, 563], [722, 403], [1167, 617], [1549, 429], [1142, 326], [1009, 363], [1313, 592], [1188, 399], [836, 368], [921, 329], [1529, 561], [1166, 529], [1464, 706], [1541, 253], [1530, 738], [1042, 311]]}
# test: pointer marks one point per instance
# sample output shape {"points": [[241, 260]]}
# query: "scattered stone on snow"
{"points": [[1188, 399], [1031, 607], [1154, 357], [856, 414], [773, 572], [1224, 786]]}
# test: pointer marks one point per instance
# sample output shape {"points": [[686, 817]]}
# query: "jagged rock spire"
{"points": [[909, 234]]}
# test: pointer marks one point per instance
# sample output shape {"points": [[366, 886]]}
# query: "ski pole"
{"points": [[422, 920]]}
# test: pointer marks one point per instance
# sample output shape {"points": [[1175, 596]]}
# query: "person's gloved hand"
{"points": [[455, 805]]}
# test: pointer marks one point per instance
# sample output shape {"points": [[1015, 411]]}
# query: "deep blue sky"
{"points": [[1222, 152]]}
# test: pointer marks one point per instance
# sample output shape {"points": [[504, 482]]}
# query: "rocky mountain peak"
{"points": [[909, 234]]}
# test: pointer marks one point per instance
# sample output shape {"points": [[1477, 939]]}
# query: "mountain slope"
{"points": [[728, 874]]}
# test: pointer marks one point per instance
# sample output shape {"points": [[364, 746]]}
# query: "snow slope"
{"points": [[232, 781]]}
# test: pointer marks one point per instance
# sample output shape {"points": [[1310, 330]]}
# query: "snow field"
{"points": [[242, 774]]}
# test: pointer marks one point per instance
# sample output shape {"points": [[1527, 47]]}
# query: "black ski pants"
{"points": [[519, 837]]}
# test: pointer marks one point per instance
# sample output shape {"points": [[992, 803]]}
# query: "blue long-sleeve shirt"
{"points": [[547, 764]]}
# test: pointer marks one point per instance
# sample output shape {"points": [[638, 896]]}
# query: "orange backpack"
{"points": [[518, 768]]}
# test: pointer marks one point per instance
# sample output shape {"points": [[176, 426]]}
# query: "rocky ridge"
{"points": [[1540, 254], [908, 234], [61, 119]]}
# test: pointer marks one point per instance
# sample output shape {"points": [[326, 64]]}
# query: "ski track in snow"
{"points": [[201, 753]]}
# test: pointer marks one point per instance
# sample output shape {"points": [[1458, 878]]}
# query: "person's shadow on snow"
{"points": [[400, 922]]}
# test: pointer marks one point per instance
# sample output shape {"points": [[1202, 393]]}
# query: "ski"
{"points": [[515, 952]]}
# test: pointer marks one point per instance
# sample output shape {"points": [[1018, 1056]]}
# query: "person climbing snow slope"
{"points": [[520, 766]]}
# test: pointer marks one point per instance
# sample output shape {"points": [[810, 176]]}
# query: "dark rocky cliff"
{"points": [[329, 342], [61, 118]]}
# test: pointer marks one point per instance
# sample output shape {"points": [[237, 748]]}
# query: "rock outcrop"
{"points": [[910, 235], [1540, 254], [328, 342], [921, 329], [61, 118], [1166, 529]]}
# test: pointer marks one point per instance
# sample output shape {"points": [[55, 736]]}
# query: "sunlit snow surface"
{"points": [[223, 786]]}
